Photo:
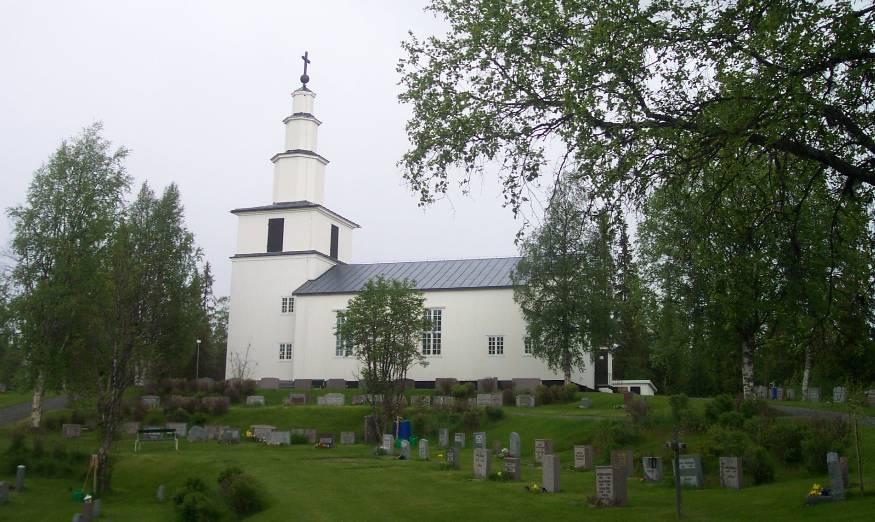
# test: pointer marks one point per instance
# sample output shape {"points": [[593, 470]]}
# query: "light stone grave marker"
{"points": [[331, 399], [690, 471], [459, 440], [834, 469], [583, 457], [623, 459], [347, 437], [279, 438], [512, 467], [180, 427], [514, 445], [542, 447], [230, 436], [812, 394], [480, 439], [652, 467], [261, 432], [550, 473], [71, 431], [730, 472], [269, 383], [585, 403], [839, 394], [481, 463], [388, 443], [198, 434], [443, 437], [326, 440], [151, 401], [405, 449], [525, 400], [423, 449], [610, 485], [255, 400]]}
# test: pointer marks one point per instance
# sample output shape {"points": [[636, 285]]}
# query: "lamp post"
{"points": [[197, 363]]}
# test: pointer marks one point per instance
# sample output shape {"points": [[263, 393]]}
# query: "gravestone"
{"points": [[443, 401], [779, 393], [423, 449], [610, 485], [371, 432], [98, 508], [4, 493], [214, 432], [279, 438], [550, 473], [444, 385], [812, 394], [489, 399], [295, 399], [326, 440], [130, 428], [459, 440], [512, 467], [522, 385], [198, 434], [761, 392], [2, 387], [488, 385], [480, 439], [839, 394], [405, 449], [161, 493], [388, 443], [420, 401], [453, 458], [525, 400], [583, 457], [585, 403], [543, 447], [331, 399], [514, 446], [261, 432], [335, 384], [255, 400], [230, 436], [443, 437], [71, 431], [690, 471], [624, 460], [347, 437], [269, 383], [843, 464], [481, 463], [303, 384], [151, 401], [181, 428], [730, 472], [652, 467], [359, 400], [790, 394], [870, 398], [837, 484]]}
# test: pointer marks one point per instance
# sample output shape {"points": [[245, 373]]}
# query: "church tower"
{"points": [[280, 246]]}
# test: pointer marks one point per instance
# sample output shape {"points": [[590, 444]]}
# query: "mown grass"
{"points": [[349, 483]]}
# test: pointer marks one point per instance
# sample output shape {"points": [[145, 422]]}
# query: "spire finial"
{"points": [[304, 77]]}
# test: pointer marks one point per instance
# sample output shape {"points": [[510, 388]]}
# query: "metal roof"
{"points": [[456, 274]]}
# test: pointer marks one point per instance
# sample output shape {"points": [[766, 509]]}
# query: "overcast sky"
{"points": [[198, 91]]}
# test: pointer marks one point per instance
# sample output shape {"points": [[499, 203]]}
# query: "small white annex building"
{"points": [[293, 273]]}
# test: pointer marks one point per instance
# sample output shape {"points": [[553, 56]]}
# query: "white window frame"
{"points": [[495, 345], [342, 348], [432, 340], [287, 305], [285, 353], [528, 346]]}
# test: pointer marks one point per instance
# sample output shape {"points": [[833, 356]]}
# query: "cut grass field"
{"points": [[349, 483]]}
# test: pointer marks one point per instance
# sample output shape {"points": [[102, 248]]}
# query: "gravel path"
{"points": [[17, 412], [795, 411]]}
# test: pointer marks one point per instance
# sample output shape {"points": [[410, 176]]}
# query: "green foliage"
{"points": [[464, 391], [556, 394], [615, 434], [823, 437], [758, 463], [154, 418], [180, 415], [718, 406], [494, 414], [196, 502], [680, 405]]}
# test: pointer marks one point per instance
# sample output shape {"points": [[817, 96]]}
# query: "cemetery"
{"points": [[607, 461]]}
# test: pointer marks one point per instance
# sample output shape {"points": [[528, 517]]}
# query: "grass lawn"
{"points": [[13, 397], [348, 483]]}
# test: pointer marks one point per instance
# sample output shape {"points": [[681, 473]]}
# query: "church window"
{"points": [[335, 232], [496, 345], [288, 305], [342, 347], [527, 346], [275, 234], [431, 339], [285, 351]]}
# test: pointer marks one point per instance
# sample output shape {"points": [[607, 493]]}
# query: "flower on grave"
{"points": [[249, 434], [499, 473], [816, 490], [440, 455]]}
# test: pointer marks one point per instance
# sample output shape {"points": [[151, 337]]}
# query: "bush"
{"points": [[180, 415], [154, 418], [731, 419], [445, 387], [241, 492], [297, 438], [199, 419], [247, 387], [421, 423], [758, 464], [463, 391], [717, 406], [784, 440], [823, 436], [216, 405], [471, 419], [569, 393], [725, 442], [752, 408], [507, 397], [494, 414], [613, 434], [195, 502], [233, 394]]}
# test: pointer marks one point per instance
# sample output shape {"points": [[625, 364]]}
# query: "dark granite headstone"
{"points": [[487, 385], [610, 485], [371, 432], [837, 483], [543, 447], [690, 471], [480, 439], [459, 440], [4, 493], [652, 467], [303, 384], [335, 384], [624, 460], [452, 456], [295, 399]]}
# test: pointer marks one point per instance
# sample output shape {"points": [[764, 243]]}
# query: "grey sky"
{"points": [[197, 91]]}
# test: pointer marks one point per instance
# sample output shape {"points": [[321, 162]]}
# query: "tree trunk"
{"points": [[567, 377], [747, 349], [806, 372], [36, 408]]}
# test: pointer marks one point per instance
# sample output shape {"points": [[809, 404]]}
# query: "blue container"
{"points": [[404, 430]]}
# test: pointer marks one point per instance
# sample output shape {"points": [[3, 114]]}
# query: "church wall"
{"points": [[303, 230], [469, 317], [258, 285]]}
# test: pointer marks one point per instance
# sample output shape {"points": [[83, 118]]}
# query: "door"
{"points": [[601, 369]]}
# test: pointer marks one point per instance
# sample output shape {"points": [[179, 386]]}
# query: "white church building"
{"points": [[293, 272]]}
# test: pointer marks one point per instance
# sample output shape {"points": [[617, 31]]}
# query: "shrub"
{"points": [[718, 406], [463, 391], [195, 502], [542, 395], [724, 442], [421, 422], [217, 405], [612, 434], [247, 387], [471, 419], [154, 418], [233, 394], [180, 415], [569, 393], [494, 414], [753, 408], [823, 436], [445, 387], [784, 440], [298, 438], [507, 397], [731, 419], [199, 419], [241, 492], [758, 464]]}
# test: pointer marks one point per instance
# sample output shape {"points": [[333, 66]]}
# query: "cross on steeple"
{"points": [[304, 77]]}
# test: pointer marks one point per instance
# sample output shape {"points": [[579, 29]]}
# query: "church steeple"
{"points": [[299, 172]]}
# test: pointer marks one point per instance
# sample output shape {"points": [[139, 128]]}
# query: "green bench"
{"points": [[156, 435]]}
